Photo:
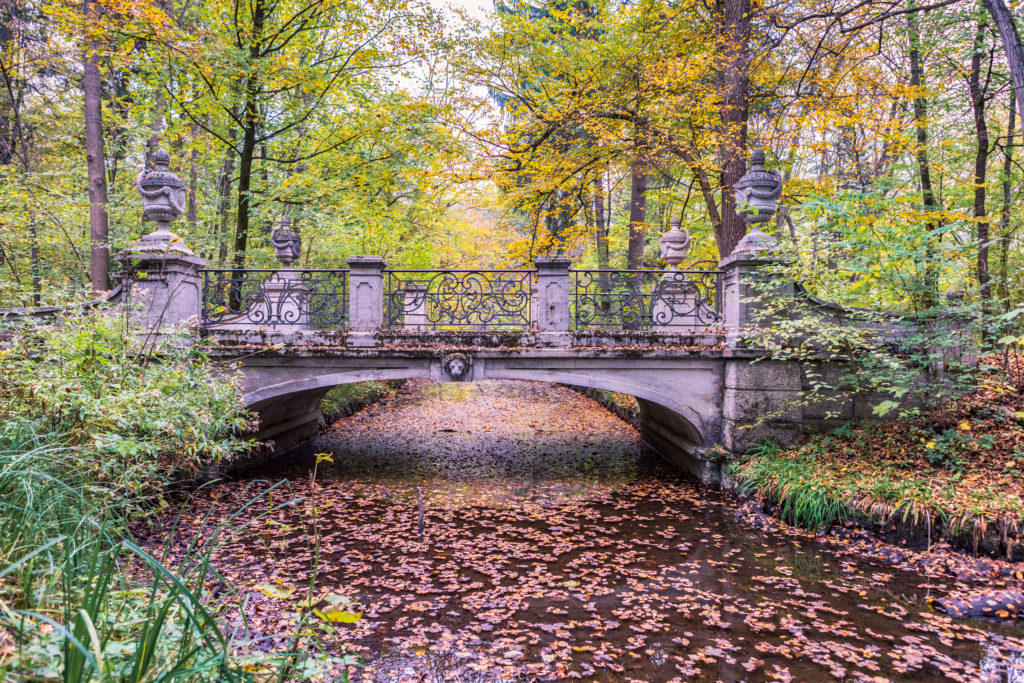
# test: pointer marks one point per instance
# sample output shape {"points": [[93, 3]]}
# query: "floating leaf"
{"points": [[338, 615], [276, 590]]}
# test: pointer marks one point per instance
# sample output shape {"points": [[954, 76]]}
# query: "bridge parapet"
{"points": [[552, 301], [428, 299], [285, 300]]}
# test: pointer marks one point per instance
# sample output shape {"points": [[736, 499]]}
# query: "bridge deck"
{"points": [[391, 342]]}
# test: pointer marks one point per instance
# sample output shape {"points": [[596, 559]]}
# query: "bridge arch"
{"points": [[680, 404]]}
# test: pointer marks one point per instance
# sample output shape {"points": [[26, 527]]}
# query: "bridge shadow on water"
{"points": [[499, 431], [514, 531]]}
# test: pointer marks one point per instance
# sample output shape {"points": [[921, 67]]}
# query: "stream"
{"points": [[513, 531]]}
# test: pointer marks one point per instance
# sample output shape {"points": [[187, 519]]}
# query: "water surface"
{"points": [[556, 545]]}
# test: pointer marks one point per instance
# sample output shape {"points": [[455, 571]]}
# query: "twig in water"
{"points": [[419, 500]]}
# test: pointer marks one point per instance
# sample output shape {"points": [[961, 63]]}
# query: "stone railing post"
{"points": [[761, 397], [162, 288], [366, 298], [414, 306], [286, 297], [553, 299], [746, 287]]}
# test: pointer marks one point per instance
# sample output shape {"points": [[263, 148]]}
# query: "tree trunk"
{"points": [[601, 241], [1004, 223], [8, 99], [156, 130], [1010, 38], [120, 134], [193, 181], [733, 84], [37, 278], [251, 118], [980, 162], [156, 126], [600, 226], [244, 183], [227, 170], [929, 295], [637, 214], [95, 158]]}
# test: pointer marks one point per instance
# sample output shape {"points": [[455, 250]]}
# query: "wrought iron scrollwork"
{"points": [[242, 298], [645, 299], [458, 298], [454, 299]]}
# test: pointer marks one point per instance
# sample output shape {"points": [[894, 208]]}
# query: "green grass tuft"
{"points": [[804, 499]]}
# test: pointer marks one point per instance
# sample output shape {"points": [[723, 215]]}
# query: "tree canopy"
{"points": [[412, 131]]}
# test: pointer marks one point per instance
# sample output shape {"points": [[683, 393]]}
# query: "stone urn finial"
{"points": [[163, 201], [757, 194], [675, 244], [286, 242]]}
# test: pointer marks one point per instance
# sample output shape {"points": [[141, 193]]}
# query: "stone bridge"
{"points": [[672, 338]]}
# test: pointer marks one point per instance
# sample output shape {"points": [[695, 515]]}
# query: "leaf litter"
{"points": [[555, 545]]}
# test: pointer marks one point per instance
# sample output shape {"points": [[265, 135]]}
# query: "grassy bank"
{"points": [[96, 424], [346, 399], [954, 472], [622, 406]]}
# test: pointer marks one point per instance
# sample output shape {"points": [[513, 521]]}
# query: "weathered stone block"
{"points": [[740, 436], [819, 426], [762, 375], [553, 293], [366, 293], [748, 404], [826, 407], [163, 288], [833, 374]]}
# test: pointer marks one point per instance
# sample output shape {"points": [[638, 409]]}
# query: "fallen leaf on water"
{"points": [[276, 590]]}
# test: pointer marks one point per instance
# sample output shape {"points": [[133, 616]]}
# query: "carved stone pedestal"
{"points": [[162, 289]]}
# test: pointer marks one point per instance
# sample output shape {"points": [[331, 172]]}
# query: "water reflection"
{"points": [[1003, 663], [556, 546]]}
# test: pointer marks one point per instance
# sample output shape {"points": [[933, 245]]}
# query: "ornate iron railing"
{"points": [[645, 299], [301, 298], [461, 299], [452, 299]]}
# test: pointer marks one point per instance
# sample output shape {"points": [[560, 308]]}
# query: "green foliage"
{"points": [[803, 499], [954, 469], [345, 399], [80, 601], [952, 449], [351, 140], [95, 420], [134, 412], [879, 363]]}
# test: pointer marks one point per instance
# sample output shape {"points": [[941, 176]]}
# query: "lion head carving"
{"points": [[457, 365]]}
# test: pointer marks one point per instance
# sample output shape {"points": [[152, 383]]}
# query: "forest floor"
{"points": [[954, 473], [519, 531]]}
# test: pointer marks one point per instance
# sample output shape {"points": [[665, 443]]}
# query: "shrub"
{"points": [[788, 479], [95, 420], [134, 412]]}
